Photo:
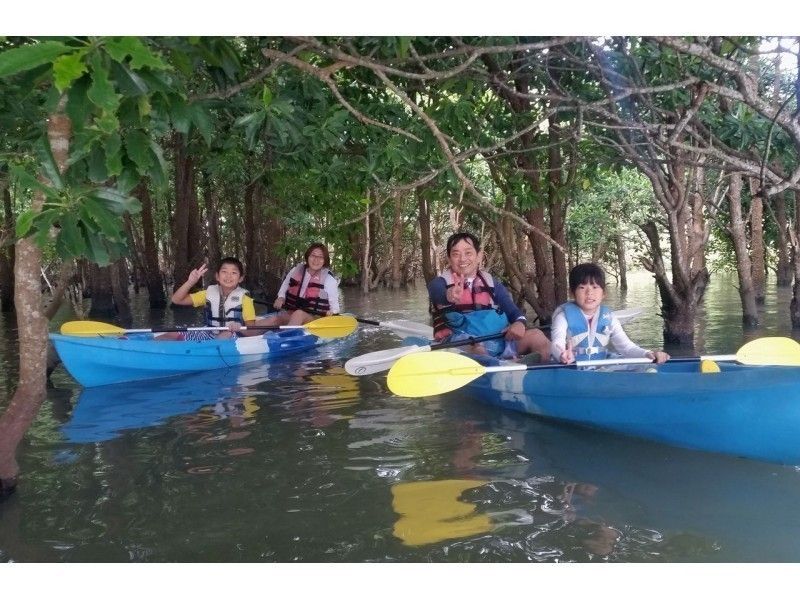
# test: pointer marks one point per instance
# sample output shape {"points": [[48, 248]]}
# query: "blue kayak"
{"points": [[96, 361], [747, 411]]}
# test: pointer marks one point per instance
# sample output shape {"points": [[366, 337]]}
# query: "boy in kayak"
{"points": [[309, 290], [467, 301], [226, 303], [583, 328]]}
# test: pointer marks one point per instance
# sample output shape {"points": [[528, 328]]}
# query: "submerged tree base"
{"points": [[7, 487]]}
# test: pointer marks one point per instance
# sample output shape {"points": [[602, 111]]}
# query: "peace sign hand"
{"points": [[454, 292], [197, 274]]}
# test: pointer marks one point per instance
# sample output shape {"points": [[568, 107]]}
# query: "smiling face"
{"points": [[316, 260], [228, 277], [464, 259], [589, 296]]}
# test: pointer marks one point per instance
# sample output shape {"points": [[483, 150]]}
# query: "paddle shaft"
{"points": [[575, 364], [467, 341], [157, 329]]}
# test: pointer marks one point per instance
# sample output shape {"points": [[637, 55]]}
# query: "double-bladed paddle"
{"points": [[421, 375], [406, 327], [379, 361], [328, 327]]}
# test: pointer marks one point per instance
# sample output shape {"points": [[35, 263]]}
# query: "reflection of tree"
{"points": [[597, 537]]}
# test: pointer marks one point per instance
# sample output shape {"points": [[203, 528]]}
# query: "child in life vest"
{"points": [[226, 303], [309, 290], [583, 329]]}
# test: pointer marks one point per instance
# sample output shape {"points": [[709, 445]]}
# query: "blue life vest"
{"points": [[586, 343], [479, 323]]}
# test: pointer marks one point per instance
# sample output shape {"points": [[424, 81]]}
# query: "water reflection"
{"points": [[294, 461], [647, 501], [104, 412]]}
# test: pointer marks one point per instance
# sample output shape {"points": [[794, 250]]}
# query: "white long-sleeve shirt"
{"points": [[330, 284], [617, 336]]}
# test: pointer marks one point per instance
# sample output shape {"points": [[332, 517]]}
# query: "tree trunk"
{"points": [[365, 256], [757, 251], [794, 235], [155, 282], [101, 290], [424, 219], [211, 202], [543, 264], [252, 259], [784, 266], [743, 264], [184, 232], [6, 252], [397, 241], [274, 232], [32, 327], [622, 265], [120, 284], [558, 208]]}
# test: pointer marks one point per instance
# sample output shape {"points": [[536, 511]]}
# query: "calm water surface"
{"points": [[297, 461]]}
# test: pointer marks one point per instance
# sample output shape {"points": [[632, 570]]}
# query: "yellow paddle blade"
{"points": [[770, 350], [89, 328], [426, 374], [332, 326], [709, 367], [431, 512]]}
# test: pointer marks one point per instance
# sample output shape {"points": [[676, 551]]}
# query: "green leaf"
{"points": [[96, 251], [48, 164], [128, 83], [158, 174], [70, 239], [101, 92], [107, 122], [68, 68], [118, 202], [266, 96], [95, 213], [181, 116], [113, 155], [97, 165], [137, 146], [202, 121], [128, 179], [144, 106], [141, 56], [78, 105], [17, 60], [24, 222]]}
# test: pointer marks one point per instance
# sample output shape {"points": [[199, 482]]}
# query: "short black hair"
{"points": [[463, 236], [233, 262], [586, 273]]}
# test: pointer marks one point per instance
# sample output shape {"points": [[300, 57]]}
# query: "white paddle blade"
{"points": [[379, 361], [406, 328]]}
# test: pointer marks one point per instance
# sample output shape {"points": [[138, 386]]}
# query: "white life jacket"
{"points": [[231, 311]]}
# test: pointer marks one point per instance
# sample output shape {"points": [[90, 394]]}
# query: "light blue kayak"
{"points": [[747, 411], [96, 361]]}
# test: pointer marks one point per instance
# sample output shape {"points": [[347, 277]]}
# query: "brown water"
{"points": [[299, 462]]}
